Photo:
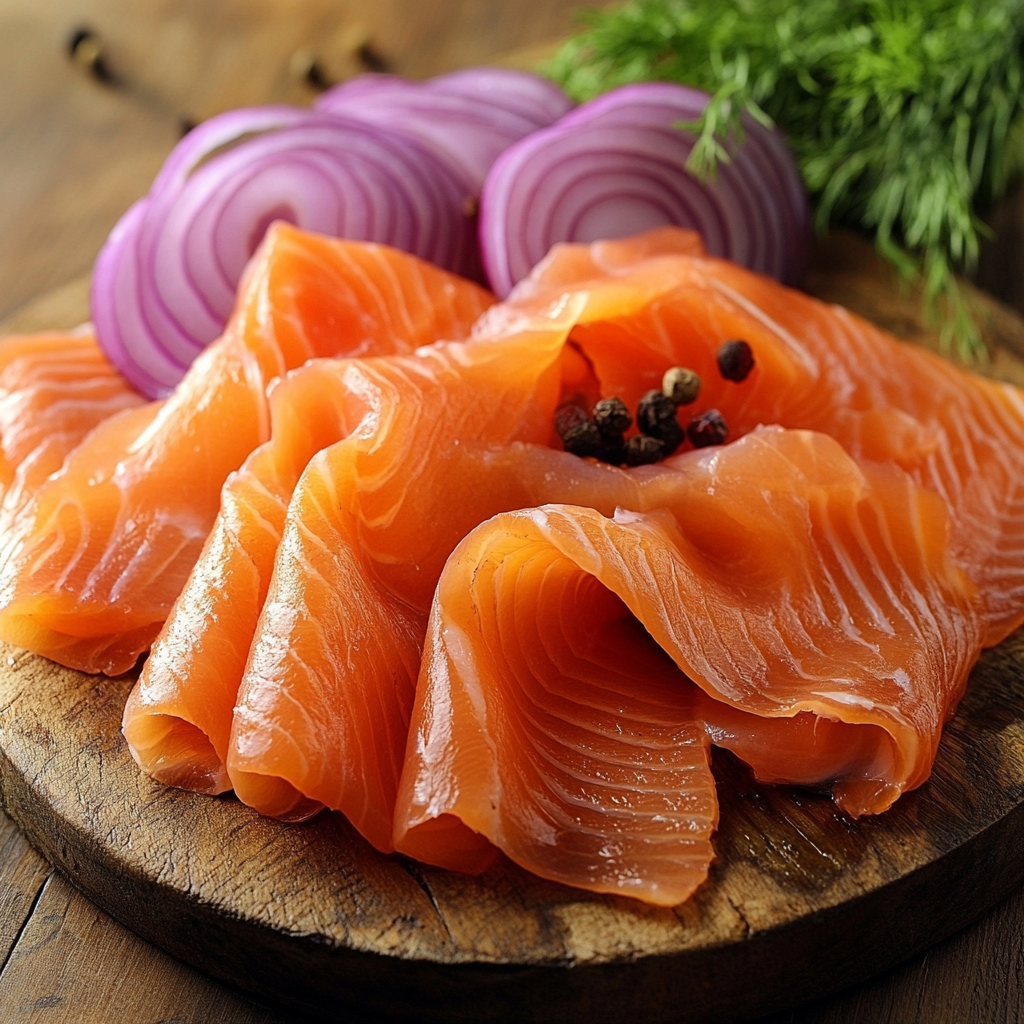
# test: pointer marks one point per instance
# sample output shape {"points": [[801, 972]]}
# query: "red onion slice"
{"points": [[535, 98], [219, 131], [115, 302], [165, 283], [466, 127], [616, 166], [469, 136], [764, 162]]}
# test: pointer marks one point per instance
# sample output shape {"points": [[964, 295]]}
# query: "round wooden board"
{"points": [[801, 900]]}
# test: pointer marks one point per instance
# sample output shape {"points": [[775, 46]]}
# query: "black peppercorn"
{"points": [[656, 417], [707, 429], [671, 435], [613, 449], [642, 450], [681, 385], [584, 439], [653, 410], [612, 417], [735, 360]]}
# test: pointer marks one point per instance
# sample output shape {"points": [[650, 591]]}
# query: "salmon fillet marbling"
{"points": [[54, 389], [101, 553], [811, 595], [779, 601]]}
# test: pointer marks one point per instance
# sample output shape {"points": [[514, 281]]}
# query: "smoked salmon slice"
{"points": [[178, 716], [557, 715], [650, 300], [366, 533], [439, 441], [106, 546], [371, 517], [54, 389]]}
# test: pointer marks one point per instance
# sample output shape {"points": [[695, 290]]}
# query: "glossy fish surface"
{"points": [[416, 608], [105, 547]]}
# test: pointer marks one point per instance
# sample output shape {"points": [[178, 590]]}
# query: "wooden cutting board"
{"points": [[801, 900]]}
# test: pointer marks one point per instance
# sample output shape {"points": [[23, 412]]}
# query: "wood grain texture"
{"points": [[976, 977], [23, 874], [67, 937], [61, 309], [800, 901]]}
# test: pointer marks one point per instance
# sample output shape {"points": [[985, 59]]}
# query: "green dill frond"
{"points": [[905, 116]]}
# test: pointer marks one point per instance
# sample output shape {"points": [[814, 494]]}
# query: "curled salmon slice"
{"points": [[178, 716], [323, 706], [440, 441], [576, 666]]}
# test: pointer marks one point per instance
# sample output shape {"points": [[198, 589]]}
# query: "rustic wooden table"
{"points": [[73, 154]]}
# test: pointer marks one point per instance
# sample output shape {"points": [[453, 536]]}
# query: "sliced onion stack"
{"points": [[208, 138], [384, 159], [468, 119], [535, 98], [165, 282], [617, 166]]}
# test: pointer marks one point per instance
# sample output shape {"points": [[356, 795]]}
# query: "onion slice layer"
{"points": [[617, 166]]}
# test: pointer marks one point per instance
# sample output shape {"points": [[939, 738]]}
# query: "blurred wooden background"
{"points": [[74, 154]]}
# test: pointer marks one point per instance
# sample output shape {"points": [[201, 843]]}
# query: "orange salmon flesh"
{"points": [[370, 579]]}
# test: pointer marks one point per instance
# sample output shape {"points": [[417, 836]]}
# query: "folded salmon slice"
{"points": [[784, 580], [323, 706], [441, 446], [107, 545], [367, 532], [650, 301], [54, 389], [178, 715]]}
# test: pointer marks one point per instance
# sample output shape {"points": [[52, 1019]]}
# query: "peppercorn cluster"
{"points": [[601, 435]]}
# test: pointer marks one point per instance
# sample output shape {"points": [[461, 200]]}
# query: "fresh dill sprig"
{"points": [[899, 112]]}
